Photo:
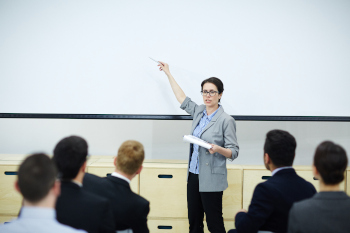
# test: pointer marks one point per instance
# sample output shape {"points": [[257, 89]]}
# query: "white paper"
{"points": [[197, 141]]}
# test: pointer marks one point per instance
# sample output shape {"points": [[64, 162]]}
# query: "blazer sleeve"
{"points": [[292, 221], [260, 209], [230, 138], [141, 226], [189, 106]]}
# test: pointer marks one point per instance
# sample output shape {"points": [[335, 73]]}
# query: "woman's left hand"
{"points": [[214, 148]]}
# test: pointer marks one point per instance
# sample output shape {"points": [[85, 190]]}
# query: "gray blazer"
{"points": [[324, 212], [220, 131]]}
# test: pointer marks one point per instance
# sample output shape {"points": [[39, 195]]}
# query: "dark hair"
{"points": [[69, 155], [330, 161], [36, 176], [280, 146], [217, 82]]}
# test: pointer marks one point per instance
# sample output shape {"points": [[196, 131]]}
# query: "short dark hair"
{"points": [[69, 155], [217, 82], [330, 161], [36, 176], [280, 146]]}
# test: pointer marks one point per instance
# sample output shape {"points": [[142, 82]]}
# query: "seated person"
{"points": [[36, 181], [272, 199], [129, 209], [75, 206], [328, 210]]}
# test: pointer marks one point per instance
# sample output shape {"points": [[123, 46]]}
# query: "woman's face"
{"points": [[211, 101]]}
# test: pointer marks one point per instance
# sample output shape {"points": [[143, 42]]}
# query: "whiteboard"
{"points": [[275, 58]]}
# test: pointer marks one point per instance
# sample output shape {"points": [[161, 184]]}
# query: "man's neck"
{"points": [[47, 202], [125, 175], [329, 188], [79, 178]]}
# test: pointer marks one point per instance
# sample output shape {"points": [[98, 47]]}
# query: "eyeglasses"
{"points": [[211, 93]]}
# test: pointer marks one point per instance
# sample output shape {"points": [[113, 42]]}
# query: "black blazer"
{"points": [[271, 202], [80, 209], [129, 209]]}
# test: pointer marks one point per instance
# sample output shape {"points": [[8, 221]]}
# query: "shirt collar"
{"points": [[212, 115], [37, 212], [279, 169], [77, 183], [115, 174]]}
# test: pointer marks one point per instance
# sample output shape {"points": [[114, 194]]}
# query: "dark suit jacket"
{"points": [[324, 212], [80, 209], [129, 209], [271, 202]]}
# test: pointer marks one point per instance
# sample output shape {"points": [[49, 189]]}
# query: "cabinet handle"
{"points": [[11, 173], [165, 176], [315, 178], [265, 177], [165, 227], [108, 174]]}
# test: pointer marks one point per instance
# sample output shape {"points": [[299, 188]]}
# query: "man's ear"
{"points": [[57, 188], [83, 167], [139, 170], [267, 159], [17, 186], [315, 172]]}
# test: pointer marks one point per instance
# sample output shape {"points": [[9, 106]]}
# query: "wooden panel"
{"points": [[308, 176], [103, 171], [232, 198], [250, 179], [167, 196], [10, 199], [7, 218], [178, 225]]}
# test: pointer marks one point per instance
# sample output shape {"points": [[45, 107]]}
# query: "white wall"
{"points": [[162, 139], [275, 57]]}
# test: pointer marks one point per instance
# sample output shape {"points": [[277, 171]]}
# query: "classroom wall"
{"points": [[162, 138]]}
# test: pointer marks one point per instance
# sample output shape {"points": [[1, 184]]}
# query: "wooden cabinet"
{"points": [[164, 186], [10, 199]]}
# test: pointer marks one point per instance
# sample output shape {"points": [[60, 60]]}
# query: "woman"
{"points": [[207, 174], [328, 210]]}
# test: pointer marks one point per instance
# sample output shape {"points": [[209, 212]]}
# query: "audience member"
{"points": [[328, 210], [272, 200], [130, 210], [37, 183], [77, 207]]}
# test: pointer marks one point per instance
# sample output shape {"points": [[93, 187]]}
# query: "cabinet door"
{"points": [[10, 199], [250, 179], [232, 198], [165, 189]]}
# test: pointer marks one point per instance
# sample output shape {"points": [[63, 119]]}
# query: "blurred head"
{"points": [[36, 177], [213, 87], [70, 155], [280, 148], [130, 157], [330, 161]]}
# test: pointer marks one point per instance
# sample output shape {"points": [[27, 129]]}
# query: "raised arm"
{"points": [[179, 93]]}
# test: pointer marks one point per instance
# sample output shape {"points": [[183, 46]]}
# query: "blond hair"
{"points": [[130, 157]]}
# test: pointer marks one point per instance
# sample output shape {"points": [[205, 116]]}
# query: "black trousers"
{"points": [[199, 203]]}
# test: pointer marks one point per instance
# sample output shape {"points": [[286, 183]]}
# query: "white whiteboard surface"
{"points": [[276, 58]]}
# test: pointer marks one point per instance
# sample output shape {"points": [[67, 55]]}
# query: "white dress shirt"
{"points": [[37, 220], [279, 169], [115, 174]]}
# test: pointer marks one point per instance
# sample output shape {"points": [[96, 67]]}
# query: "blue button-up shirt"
{"points": [[194, 168]]}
